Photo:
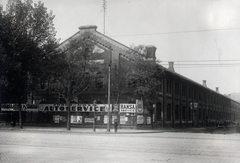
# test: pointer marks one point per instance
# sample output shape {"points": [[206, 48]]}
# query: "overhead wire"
{"points": [[175, 32], [204, 63]]}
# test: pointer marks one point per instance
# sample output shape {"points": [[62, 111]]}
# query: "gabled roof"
{"points": [[91, 33]]}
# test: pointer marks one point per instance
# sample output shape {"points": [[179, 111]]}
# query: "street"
{"points": [[171, 147]]}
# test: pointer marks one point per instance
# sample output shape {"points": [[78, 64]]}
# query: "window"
{"points": [[169, 112], [169, 86], [176, 112], [183, 113], [200, 95], [200, 114], [159, 84], [190, 114], [189, 92], [177, 89], [158, 111], [195, 94], [184, 90]]}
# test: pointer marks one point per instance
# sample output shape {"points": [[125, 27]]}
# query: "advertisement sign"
{"points": [[56, 118], [30, 107], [148, 120], [105, 120], [127, 108], [9, 107], [76, 119], [139, 119], [122, 120], [88, 120], [113, 118], [139, 106]]}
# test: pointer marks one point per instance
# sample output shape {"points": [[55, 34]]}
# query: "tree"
{"points": [[75, 73], [147, 78], [27, 42], [120, 81]]}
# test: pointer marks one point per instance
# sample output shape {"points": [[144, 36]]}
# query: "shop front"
{"points": [[82, 115]]}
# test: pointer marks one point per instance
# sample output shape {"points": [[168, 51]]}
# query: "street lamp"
{"points": [[94, 120]]}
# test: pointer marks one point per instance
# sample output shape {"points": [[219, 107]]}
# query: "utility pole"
{"points": [[104, 13], [109, 88]]}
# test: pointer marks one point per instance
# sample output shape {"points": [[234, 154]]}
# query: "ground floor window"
{"points": [[189, 114], [169, 112], [183, 113], [176, 112]]}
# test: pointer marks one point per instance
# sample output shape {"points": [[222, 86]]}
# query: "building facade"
{"points": [[179, 102]]}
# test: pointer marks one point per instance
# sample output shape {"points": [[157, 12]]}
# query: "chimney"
{"points": [[171, 67], [151, 51], [88, 28], [205, 83], [217, 89]]}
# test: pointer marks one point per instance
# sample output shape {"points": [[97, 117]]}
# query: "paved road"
{"points": [[41, 147]]}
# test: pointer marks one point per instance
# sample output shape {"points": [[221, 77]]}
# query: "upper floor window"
{"points": [[159, 84], [189, 92], [184, 91], [177, 89], [169, 86], [195, 93]]}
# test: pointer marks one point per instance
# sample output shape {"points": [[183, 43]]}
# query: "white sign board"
{"points": [[127, 108]]}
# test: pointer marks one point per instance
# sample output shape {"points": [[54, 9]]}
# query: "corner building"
{"points": [[179, 103]]}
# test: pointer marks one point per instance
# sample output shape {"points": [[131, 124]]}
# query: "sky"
{"points": [[201, 37]]}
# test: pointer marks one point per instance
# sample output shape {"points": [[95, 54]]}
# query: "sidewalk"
{"points": [[207, 130], [79, 130]]}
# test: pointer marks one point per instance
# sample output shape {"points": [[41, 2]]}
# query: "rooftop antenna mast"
{"points": [[104, 13]]}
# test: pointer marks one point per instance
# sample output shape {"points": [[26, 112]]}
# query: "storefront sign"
{"points": [[75, 107], [24, 107], [30, 107], [76, 119], [127, 108], [140, 119], [52, 107], [9, 107]]}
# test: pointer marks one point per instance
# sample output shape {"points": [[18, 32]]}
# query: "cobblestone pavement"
{"points": [[38, 147]]}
